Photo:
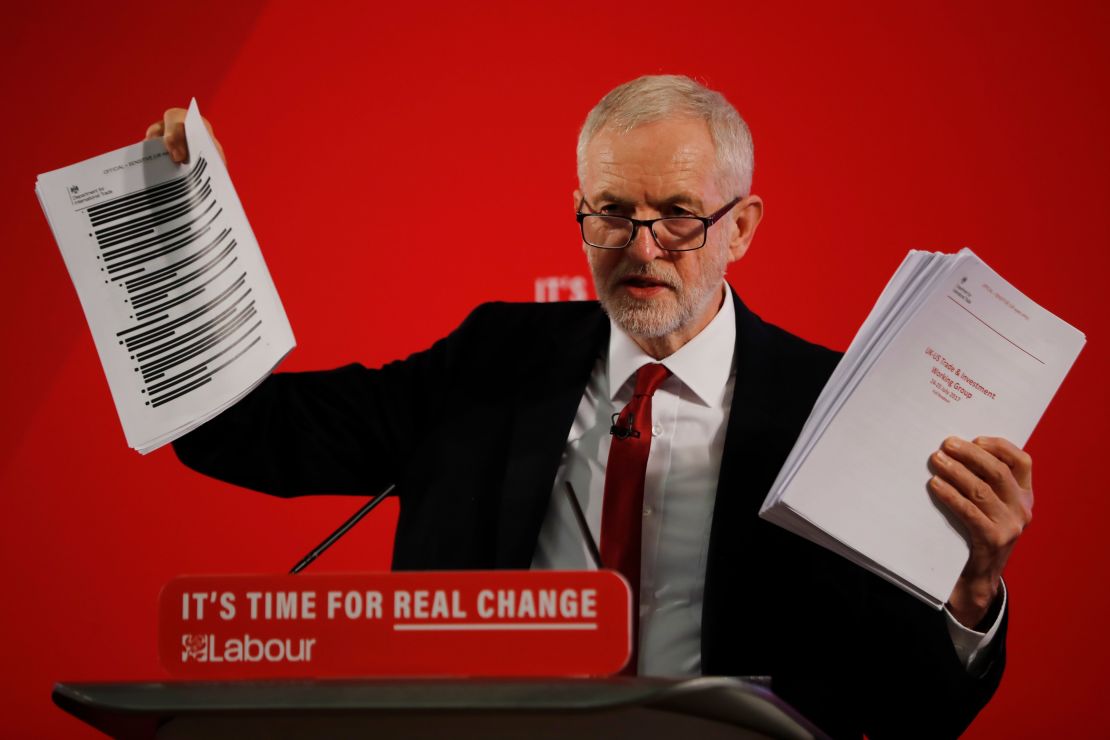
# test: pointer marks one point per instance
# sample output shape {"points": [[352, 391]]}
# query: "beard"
{"points": [[679, 304]]}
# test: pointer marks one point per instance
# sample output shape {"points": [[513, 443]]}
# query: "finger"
{"points": [[971, 486], [985, 466], [978, 524], [982, 531], [174, 134], [1016, 458], [155, 130], [996, 475]]}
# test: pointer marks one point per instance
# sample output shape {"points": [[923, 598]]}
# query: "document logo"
{"points": [[961, 292], [79, 198]]}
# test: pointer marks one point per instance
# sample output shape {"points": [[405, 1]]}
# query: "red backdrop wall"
{"points": [[368, 141]]}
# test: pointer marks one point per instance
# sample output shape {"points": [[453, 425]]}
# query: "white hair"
{"points": [[655, 97]]}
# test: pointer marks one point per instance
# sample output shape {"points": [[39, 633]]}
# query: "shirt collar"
{"points": [[703, 364]]}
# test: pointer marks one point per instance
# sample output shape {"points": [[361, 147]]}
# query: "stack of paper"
{"points": [[950, 348], [182, 309]]}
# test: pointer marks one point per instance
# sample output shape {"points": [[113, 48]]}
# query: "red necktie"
{"points": [[622, 506]]}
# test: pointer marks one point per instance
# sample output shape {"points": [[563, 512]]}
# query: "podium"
{"points": [[538, 709]]}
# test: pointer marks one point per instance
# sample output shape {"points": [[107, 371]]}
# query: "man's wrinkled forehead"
{"points": [[670, 160]]}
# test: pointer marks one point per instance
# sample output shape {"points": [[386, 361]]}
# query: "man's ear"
{"points": [[746, 217]]}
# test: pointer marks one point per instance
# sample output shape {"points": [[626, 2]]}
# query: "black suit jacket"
{"points": [[472, 430]]}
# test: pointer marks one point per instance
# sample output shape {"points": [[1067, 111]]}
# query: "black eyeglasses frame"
{"points": [[706, 221]]}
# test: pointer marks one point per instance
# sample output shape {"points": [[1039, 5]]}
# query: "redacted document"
{"points": [[950, 348], [182, 309]]}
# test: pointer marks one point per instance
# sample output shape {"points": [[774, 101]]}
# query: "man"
{"points": [[662, 413]]}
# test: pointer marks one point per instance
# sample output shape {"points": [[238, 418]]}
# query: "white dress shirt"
{"points": [[690, 413]]}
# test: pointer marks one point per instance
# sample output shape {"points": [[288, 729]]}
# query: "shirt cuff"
{"points": [[972, 646]]}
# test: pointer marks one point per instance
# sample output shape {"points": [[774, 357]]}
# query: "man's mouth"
{"points": [[640, 286]]}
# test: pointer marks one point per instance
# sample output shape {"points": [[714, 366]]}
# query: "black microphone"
{"points": [[624, 432], [343, 529]]}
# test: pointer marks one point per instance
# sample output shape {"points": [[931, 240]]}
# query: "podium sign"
{"points": [[441, 623]]}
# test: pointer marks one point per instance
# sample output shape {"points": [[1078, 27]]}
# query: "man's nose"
{"points": [[644, 247]]}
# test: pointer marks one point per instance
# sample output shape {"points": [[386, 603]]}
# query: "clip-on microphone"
{"points": [[626, 431]]}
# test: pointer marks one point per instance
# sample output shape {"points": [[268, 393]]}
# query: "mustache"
{"points": [[651, 271]]}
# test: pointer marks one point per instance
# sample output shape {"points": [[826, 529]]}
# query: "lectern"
{"points": [[705, 708]]}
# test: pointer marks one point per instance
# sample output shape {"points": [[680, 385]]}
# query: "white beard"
{"points": [[677, 306]]}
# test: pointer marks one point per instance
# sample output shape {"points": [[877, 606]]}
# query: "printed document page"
{"points": [[182, 309], [950, 349]]}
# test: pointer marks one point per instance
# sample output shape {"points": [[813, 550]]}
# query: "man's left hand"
{"points": [[988, 485]]}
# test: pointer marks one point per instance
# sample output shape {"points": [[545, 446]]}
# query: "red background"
{"points": [[367, 143]]}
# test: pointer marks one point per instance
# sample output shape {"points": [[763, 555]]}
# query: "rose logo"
{"points": [[194, 646]]}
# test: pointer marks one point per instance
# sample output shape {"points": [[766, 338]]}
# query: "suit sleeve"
{"points": [[919, 687], [349, 430]]}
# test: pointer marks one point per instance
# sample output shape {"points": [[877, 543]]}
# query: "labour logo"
{"points": [[194, 647]]}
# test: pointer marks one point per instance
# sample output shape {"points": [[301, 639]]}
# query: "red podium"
{"points": [[456, 654]]}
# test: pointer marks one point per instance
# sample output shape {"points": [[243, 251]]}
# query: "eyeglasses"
{"points": [[672, 233]]}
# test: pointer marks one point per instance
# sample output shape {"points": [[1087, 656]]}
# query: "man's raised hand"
{"points": [[988, 485], [171, 129]]}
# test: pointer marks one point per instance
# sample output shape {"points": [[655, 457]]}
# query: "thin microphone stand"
{"points": [[334, 536]]}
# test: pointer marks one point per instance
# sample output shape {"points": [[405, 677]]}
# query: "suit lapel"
{"points": [[541, 417], [735, 510]]}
